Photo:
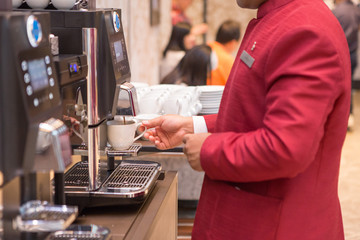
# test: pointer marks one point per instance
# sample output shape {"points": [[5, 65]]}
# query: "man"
{"points": [[226, 42], [349, 17], [271, 155]]}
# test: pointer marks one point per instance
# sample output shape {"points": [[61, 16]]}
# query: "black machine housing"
{"points": [[24, 103], [112, 59], [29, 95]]}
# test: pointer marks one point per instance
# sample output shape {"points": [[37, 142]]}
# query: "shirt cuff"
{"points": [[199, 124]]}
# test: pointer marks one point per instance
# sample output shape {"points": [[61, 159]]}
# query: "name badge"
{"points": [[247, 59]]}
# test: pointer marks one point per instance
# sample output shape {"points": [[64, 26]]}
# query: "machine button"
{"points": [[116, 21], [36, 102], [51, 96], [29, 90], [52, 82], [47, 60], [24, 66], [49, 71], [26, 78], [73, 68], [34, 31]]}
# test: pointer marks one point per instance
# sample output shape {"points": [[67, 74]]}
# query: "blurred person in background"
{"points": [[271, 156], [178, 15], [226, 43], [181, 40], [193, 69], [348, 15]]}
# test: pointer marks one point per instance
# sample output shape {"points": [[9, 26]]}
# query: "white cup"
{"points": [[145, 117], [178, 104], [195, 108], [63, 4], [121, 135], [151, 104], [168, 87], [16, 3], [184, 107], [38, 4], [172, 106]]}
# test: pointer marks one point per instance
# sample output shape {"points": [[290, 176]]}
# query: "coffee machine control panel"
{"points": [[39, 79], [118, 56], [118, 48]]}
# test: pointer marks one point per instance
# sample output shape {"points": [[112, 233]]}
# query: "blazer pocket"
{"points": [[245, 215]]}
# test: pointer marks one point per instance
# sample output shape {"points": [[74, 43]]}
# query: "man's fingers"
{"points": [[160, 145], [150, 132], [185, 138], [153, 122]]}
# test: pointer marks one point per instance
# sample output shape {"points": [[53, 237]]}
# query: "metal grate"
{"points": [[130, 176], [81, 232], [131, 151], [47, 215], [78, 175], [77, 236]]}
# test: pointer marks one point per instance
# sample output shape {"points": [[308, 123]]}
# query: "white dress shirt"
{"points": [[199, 124]]}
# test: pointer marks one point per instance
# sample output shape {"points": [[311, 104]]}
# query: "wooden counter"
{"points": [[155, 219]]}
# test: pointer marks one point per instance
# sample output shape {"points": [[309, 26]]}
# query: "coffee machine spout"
{"points": [[53, 147], [127, 103], [53, 152]]}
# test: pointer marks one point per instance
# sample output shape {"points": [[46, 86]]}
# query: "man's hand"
{"points": [[168, 131], [192, 148]]}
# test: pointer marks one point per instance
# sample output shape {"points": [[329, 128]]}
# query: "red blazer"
{"points": [[272, 162]]}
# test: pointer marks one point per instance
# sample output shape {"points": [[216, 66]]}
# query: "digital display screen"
{"points": [[118, 51], [38, 74]]}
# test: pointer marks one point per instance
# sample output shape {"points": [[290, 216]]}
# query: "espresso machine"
{"points": [[99, 90], [33, 141]]}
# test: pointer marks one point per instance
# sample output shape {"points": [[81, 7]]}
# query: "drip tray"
{"points": [[130, 183], [37, 216], [81, 232]]}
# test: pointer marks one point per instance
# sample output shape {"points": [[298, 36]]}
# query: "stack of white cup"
{"points": [[41, 4], [169, 99], [63, 4]]}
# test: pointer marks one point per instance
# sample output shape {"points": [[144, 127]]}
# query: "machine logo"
{"points": [[116, 21], [34, 31]]}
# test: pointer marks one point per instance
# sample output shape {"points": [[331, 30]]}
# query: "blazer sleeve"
{"points": [[304, 76], [210, 121]]}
